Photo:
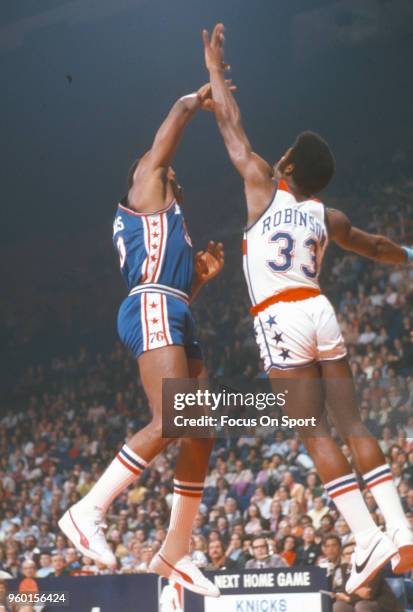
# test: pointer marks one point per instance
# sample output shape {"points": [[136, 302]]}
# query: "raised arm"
{"points": [[373, 246], [148, 178], [256, 172], [170, 132]]}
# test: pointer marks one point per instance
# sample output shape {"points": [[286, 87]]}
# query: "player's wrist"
{"points": [[409, 253], [191, 101], [216, 69]]}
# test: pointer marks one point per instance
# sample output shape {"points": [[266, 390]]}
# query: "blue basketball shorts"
{"points": [[153, 316]]}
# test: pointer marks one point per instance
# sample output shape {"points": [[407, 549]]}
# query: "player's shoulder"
{"points": [[337, 222]]}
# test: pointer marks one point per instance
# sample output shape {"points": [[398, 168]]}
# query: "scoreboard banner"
{"points": [[268, 590], [278, 590]]}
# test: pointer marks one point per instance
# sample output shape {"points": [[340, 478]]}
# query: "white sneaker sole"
{"points": [[158, 566], [73, 532]]}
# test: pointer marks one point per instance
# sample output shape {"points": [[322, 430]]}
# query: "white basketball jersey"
{"points": [[285, 246]]}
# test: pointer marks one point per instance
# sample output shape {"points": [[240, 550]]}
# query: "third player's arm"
{"points": [[373, 246], [256, 172]]}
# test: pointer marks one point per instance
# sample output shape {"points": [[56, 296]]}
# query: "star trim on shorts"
{"points": [[285, 354], [154, 321], [277, 337], [271, 321], [153, 305]]}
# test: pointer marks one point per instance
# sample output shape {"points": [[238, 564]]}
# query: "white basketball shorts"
{"points": [[297, 334]]}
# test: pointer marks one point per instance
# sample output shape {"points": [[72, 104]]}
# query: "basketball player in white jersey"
{"points": [[297, 332]]}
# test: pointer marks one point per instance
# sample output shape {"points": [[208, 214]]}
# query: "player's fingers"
{"points": [[205, 37], [218, 29], [226, 67]]}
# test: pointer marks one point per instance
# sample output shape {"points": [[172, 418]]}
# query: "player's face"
{"points": [[282, 165], [176, 187]]}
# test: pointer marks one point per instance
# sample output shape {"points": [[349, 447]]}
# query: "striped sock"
{"points": [[185, 505], [123, 470], [381, 484], [346, 494]]}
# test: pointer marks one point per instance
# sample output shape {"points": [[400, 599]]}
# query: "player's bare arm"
{"points": [[368, 245], [256, 172], [150, 186], [208, 264]]}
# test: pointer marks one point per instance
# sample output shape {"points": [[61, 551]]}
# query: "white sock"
{"points": [[185, 505], [346, 494], [381, 484], [123, 470]]}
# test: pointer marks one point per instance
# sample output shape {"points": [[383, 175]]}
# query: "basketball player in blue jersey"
{"points": [[156, 324], [296, 328]]}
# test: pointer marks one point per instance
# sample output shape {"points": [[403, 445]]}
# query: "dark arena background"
{"points": [[85, 84]]}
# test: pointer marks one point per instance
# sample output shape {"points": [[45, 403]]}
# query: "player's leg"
{"points": [[138, 452], [306, 399], [83, 523], [190, 472], [368, 457], [366, 452]]}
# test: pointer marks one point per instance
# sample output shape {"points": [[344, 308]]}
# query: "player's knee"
{"points": [[155, 430], [354, 430]]}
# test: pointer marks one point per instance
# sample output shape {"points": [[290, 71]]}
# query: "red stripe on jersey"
{"points": [[163, 319], [148, 234], [145, 311], [244, 246], [160, 248]]}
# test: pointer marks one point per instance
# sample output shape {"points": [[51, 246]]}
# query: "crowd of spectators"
{"points": [[264, 505]]}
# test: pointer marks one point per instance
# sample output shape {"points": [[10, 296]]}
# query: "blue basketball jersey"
{"points": [[154, 248]]}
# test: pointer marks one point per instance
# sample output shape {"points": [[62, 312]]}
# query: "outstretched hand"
{"points": [[209, 263], [214, 48], [204, 94]]}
